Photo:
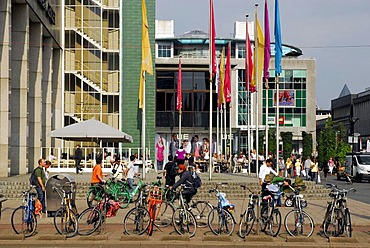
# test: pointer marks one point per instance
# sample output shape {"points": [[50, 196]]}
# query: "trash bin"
{"points": [[53, 200]]}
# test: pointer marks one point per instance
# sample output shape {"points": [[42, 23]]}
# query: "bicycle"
{"points": [[137, 220], [183, 220], [249, 216], [23, 218], [337, 218], [220, 219], [297, 221], [154, 200], [270, 218], [65, 219], [92, 218]]}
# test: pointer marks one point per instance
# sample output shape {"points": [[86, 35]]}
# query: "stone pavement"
{"points": [[112, 233]]}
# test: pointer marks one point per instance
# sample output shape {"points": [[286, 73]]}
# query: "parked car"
{"points": [[359, 169]]}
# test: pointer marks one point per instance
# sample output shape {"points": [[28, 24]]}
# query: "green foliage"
{"points": [[272, 141], [307, 144], [287, 138]]}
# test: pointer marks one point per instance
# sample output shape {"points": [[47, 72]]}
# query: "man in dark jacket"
{"points": [[187, 179], [78, 158]]}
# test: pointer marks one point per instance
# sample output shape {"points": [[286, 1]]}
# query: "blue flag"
{"points": [[278, 43]]}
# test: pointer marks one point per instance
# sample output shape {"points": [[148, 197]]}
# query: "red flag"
{"points": [[179, 91], [248, 62], [227, 84], [212, 38]]}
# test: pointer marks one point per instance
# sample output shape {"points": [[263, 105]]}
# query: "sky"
{"points": [[334, 32]]}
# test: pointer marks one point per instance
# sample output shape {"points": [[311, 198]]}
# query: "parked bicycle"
{"points": [[337, 217], [154, 204], [220, 219], [183, 220], [91, 219], [270, 216], [249, 216], [297, 222], [23, 218], [65, 219]]}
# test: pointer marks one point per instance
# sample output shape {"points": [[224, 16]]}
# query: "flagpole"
{"points": [[278, 70], [257, 82], [210, 86], [267, 55], [225, 133], [143, 122], [179, 98], [248, 104]]}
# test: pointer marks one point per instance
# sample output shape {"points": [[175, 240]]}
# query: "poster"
{"points": [[286, 98]]}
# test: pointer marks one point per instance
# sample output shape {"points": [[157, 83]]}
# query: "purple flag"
{"points": [[267, 51]]}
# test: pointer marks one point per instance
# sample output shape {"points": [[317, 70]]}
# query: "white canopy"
{"points": [[91, 130]]}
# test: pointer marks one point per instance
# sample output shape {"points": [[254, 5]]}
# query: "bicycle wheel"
{"points": [[264, 217], [246, 223], [201, 210], [164, 217], [299, 223], [94, 196], [65, 222], [184, 222], [333, 224], [348, 223], [89, 221], [221, 221], [274, 223], [23, 221], [136, 221]]}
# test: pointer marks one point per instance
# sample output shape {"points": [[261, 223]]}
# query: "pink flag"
{"points": [[212, 39], [248, 62], [267, 51], [179, 91], [227, 84]]}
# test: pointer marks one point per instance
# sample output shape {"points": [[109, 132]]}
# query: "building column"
{"points": [[47, 56], [4, 85], [19, 89], [35, 100], [57, 95]]}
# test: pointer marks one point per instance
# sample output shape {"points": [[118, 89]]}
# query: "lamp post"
{"points": [[352, 138]]}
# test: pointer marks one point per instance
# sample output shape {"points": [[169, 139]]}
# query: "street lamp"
{"points": [[353, 137]]}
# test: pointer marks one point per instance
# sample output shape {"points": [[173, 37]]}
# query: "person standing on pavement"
{"points": [[97, 173], [314, 169], [78, 158], [298, 167], [160, 155], [40, 183], [307, 168], [265, 170], [170, 171], [129, 173], [46, 169]]}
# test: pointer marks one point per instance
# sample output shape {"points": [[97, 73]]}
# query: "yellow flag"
{"points": [[221, 98], [146, 55], [259, 50]]}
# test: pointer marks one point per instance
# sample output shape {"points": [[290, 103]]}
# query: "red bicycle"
{"points": [[154, 206]]}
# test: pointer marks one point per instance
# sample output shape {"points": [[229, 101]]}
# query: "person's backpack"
{"points": [[33, 178], [197, 181]]}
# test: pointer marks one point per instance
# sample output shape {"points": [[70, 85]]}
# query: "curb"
{"points": [[290, 239], [103, 237], [217, 238], [134, 238], [11, 237], [51, 237], [343, 240], [175, 238]]}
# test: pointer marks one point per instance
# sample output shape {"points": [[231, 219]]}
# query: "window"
{"points": [[164, 51], [241, 51]]}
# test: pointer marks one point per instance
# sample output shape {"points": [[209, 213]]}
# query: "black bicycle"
{"points": [[249, 216]]}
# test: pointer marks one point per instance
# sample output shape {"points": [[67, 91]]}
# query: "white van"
{"points": [[361, 166]]}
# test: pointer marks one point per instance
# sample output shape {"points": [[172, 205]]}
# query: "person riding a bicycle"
{"points": [[187, 179]]}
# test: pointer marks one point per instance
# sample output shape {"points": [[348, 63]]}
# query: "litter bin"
{"points": [[53, 200]]}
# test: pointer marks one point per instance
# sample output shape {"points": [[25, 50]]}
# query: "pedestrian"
{"points": [[325, 169], [265, 170], [160, 155], [298, 167], [307, 168], [46, 169], [314, 169], [78, 158], [40, 184], [289, 166], [186, 179], [180, 155], [170, 171], [281, 166], [174, 145], [331, 166], [97, 173], [129, 173]]}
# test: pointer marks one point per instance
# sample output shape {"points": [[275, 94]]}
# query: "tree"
{"points": [[307, 144], [287, 138]]}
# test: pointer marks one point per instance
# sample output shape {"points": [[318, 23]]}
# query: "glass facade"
{"points": [[195, 97], [91, 79]]}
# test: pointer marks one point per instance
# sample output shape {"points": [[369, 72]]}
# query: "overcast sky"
{"points": [[334, 32]]}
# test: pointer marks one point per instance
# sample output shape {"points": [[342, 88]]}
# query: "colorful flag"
{"points": [[227, 84], [259, 43], [212, 39], [221, 98], [267, 54], [278, 42], [179, 90], [146, 55], [248, 62]]}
